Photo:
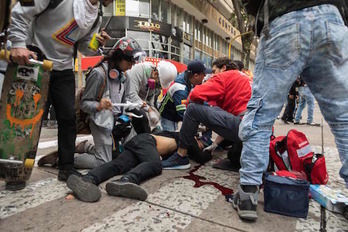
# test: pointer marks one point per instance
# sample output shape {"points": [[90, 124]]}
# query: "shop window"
{"points": [[198, 54], [155, 5], [138, 8], [165, 11], [159, 46], [108, 11], [187, 54], [143, 38]]}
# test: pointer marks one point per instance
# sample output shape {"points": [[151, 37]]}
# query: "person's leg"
{"points": [[141, 125], [301, 104], [220, 121], [310, 105], [102, 151], [286, 112], [144, 149], [62, 91], [327, 76], [281, 58], [86, 188], [291, 103]]}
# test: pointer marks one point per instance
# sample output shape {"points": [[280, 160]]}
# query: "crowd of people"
{"points": [[135, 138]]}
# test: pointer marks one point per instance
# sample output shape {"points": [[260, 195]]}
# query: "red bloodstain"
{"points": [[198, 183]]}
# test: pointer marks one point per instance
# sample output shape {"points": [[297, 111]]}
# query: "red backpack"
{"points": [[294, 153]]}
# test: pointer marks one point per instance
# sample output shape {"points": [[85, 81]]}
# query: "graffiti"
{"points": [[23, 122], [18, 89], [25, 87]]}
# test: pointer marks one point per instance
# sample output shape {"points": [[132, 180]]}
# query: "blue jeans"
{"points": [[305, 97], [168, 125], [312, 42]]}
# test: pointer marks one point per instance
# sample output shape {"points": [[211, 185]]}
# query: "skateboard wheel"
{"points": [[29, 163], [5, 55], [15, 185], [47, 65]]}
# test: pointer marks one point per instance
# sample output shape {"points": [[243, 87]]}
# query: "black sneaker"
{"points": [[83, 190], [125, 188], [64, 174], [246, 203], [176, 162], [296, 123]]}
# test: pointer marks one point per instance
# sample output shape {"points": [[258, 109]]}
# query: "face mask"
{"points": [[151, 84]]}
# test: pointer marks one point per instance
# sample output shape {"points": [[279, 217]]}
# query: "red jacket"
{"points": [[231, 90]]}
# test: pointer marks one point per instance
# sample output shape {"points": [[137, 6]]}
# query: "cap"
{"points": [[197, 66]]}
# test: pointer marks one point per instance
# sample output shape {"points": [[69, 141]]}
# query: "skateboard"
{"points": [[23, 99]]}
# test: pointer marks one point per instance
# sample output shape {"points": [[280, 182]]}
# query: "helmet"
{"points": [[166, 72], [130, 49]]}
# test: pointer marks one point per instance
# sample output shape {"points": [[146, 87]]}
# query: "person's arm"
{"points": [[21, 17], [216, 143], [212, 90], [178, 96], [94, 82], [136, 75]]}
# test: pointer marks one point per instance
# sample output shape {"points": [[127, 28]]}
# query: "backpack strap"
{"points": [[102, 88]]}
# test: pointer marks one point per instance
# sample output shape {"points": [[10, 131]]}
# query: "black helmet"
{"points": [[130, 49]]}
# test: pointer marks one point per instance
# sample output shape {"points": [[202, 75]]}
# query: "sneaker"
{"points": [[51, 159], [296, 123], [313, 124], [80, 148], [176, 162], [124, 188], [83, 190], [245, 203], [64, 174]]}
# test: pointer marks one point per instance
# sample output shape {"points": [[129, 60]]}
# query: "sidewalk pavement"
{"points": [[179, 200]]}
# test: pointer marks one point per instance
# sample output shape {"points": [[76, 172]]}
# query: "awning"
{"points": [[91, 61]]}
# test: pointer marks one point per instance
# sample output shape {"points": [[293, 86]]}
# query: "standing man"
{"points": [[305, 97], [55, 27], [298, 37]]}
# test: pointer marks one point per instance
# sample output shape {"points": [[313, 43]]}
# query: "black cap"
{"points": [[197, 66]]}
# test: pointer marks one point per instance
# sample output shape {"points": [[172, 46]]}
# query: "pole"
{"points": [[233, 39]]}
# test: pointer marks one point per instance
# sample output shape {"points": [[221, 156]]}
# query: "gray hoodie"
{"points": [[55, 31]]}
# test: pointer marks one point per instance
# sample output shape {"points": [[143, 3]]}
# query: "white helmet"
{"points": [[167, 73]]}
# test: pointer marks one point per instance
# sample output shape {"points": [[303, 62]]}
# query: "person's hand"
{"points": [[103, 37], [22, 55], [105, 103], [211, 148], [153, 117], [144, 104]]}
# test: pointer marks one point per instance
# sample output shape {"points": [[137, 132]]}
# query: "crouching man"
{"points": [[139, 161]]}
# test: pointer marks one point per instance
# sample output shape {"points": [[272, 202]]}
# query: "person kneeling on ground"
{"points": [[231, 91], [139, 161]]}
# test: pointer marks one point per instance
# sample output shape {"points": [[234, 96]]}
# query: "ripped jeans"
{"points": [[312, 42]]}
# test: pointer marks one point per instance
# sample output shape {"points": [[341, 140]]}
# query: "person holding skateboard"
{"points": [[55, 27]]}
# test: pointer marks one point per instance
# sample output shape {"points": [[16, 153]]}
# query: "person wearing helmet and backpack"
{"points": [[106, 85], [55, 27], [144, 78]]}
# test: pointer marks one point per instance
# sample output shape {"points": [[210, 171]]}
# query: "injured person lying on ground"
{"points": [[140, 161]]}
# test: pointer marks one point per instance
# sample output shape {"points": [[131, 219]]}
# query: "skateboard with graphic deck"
{"points": [[23, 99]]}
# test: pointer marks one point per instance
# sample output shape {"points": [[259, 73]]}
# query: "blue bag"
{"points": [[286, 196]]}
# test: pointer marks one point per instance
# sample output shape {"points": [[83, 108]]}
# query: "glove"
{"points": [[153, 117], [131, 106], [211, 148]]}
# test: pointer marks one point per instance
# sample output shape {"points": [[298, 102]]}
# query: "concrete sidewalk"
{"points": [[185, 200]]}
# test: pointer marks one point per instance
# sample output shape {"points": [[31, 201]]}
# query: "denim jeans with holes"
{"points": [[313, 43]]}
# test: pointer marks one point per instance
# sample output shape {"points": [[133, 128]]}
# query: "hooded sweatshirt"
{"points": [[53, 31]]}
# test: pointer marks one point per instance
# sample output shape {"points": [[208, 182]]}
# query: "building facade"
{"points": [[178, 30]]}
